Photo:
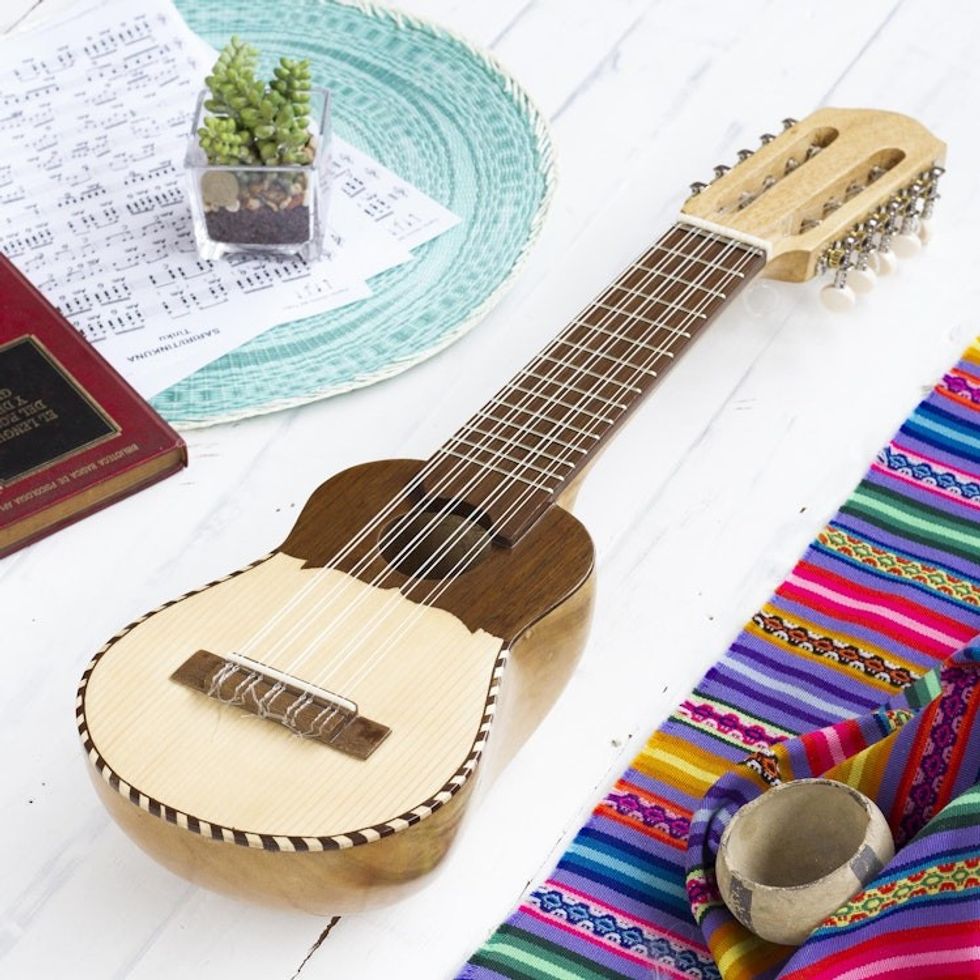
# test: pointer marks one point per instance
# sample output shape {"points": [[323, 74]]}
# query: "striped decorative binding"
{"points": [[889, 590], [269, 842]]}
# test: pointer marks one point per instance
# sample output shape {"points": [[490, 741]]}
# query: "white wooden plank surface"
{"points": [[697, 510]]}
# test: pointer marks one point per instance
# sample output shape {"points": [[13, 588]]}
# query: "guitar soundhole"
{"points": [[434, 545]]}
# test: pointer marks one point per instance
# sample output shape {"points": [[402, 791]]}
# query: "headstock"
{"points": [[841, 192]]}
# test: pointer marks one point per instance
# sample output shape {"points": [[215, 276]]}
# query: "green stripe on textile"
{"points": [[918, 522], [530, 956], [923, 690], [964, 811]]}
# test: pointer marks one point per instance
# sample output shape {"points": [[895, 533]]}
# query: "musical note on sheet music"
{"points": [[94, 114]]}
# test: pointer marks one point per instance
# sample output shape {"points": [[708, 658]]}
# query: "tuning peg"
{"points": [[766, 138], [862, 277], [789, 122], [697, 187], [862, 280], [838, 296], [906, 245], [837, 299], [721, 170], [743, 155], [884, 263]]}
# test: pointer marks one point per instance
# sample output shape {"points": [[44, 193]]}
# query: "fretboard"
{"points": [[526, 445]]}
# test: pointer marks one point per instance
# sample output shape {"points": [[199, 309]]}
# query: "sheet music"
{"points": [[94, 112], [409, 216]]}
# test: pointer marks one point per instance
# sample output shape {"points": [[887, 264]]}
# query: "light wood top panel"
{"points": [[228, 767]]}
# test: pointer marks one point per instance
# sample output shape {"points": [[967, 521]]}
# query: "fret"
{"points": [[557, 401], [553, 417], [570, 387], [646, 319], [693, 258], [535, 417], [666, 275], [514, 459], [514, 440], [635, 343], [595, 353], [496, 469], [592, 374]]}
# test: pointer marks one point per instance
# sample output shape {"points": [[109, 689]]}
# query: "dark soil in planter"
{"points": [[263, 226]]}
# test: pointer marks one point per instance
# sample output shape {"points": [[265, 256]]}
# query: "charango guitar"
{"points": [[308, 731]]}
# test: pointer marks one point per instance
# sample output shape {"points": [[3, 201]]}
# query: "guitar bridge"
{"points": [[308, 711]]}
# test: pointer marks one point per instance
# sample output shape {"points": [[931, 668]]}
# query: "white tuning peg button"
{"points": [[837, 299], [925, 230], [862, 280], [886, 264], [905, 246]]}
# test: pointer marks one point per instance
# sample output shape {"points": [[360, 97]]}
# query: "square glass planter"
{"points": [[252, 208]]}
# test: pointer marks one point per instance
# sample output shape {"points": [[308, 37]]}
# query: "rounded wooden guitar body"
{"points": [[448, 678]]}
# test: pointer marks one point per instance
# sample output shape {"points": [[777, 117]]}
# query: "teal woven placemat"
{"points": [[441, 114]]}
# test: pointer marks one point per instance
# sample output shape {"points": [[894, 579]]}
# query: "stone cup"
{"points": [[794, 855]]}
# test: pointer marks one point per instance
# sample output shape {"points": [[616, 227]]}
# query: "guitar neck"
{"points": [[528, 444]]}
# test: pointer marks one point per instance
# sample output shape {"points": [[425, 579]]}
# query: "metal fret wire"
{"points": [[448, 579], [631, 318]]}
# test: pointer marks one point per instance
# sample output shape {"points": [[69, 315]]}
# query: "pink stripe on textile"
{"points": [[909, 610], [918, 635], [837, 751]]}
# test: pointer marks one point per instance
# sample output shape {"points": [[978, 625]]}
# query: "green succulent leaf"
{"points": [[252, 121]]}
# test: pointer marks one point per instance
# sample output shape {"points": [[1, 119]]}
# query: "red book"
{"points": [[74, 436]]}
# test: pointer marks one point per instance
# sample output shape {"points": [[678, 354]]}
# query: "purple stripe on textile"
{"points": [[794, 718], [835, 687]]}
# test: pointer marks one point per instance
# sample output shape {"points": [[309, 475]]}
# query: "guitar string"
{"points": [[587, 396], [445, 583], [418, 480], [537, 392], [658, 268], [335, 662]]}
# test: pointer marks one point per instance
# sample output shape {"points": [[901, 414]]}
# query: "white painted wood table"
{"points": [[697, 511]]}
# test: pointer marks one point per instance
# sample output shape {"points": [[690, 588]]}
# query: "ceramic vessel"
{"points": [[267, 209], [792, 856]]}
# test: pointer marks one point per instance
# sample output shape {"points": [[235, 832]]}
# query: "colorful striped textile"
{"points": [[889, 590]]}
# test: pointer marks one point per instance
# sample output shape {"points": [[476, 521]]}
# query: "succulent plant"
{"points": [[252, 121]]}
